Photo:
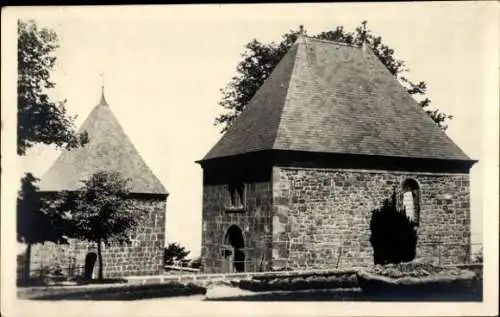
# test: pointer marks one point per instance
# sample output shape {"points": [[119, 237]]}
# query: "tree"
{"points": [[101, 213], [259, 60], [40, 120], [35, 224], [174, 252]]}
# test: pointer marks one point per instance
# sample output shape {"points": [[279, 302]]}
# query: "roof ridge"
{"points": [[285, 101], [413, 102], [331, 42], [139, 155], [262, 113]]}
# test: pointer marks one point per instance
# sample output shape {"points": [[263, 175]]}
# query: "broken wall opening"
{"points": [[393, 234]]}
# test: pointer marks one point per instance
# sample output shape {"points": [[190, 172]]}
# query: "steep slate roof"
{"points": [[331, 97], [109, 149]]}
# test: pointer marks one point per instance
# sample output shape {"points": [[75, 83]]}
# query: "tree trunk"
{"points": [[99, 258], [27, 263]]}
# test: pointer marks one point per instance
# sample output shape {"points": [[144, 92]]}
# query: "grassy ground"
{"points": [[329, 286], [108, 292], [37, 282], [233, 293]]}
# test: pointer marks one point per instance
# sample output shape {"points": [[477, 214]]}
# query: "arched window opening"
{"points": [[411, 200], [235, 196]]}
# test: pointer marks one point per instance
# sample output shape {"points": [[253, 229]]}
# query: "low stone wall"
{"points": [[219, 277], [205, 278]]}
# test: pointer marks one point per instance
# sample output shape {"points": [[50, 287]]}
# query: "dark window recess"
{"points": [[236, 197]]}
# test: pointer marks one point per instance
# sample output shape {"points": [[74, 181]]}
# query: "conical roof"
{"points": [[109, 149], [332, 97]]}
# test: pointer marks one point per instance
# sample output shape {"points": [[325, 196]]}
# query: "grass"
{"points": [[126, 292], [103, 281], [36, 281], [308, 286]]}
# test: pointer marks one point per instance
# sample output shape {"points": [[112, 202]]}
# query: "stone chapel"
{"points": [[108, 149], [329, 135]]}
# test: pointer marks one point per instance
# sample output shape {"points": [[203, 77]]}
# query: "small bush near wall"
{"points": [[478, 257], [296, 283], [174, 253], [46, 275], [418, 279]]}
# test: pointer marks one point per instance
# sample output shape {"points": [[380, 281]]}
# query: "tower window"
{"points": [[235, 196]]}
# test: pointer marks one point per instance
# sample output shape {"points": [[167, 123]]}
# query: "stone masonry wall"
{"points": [[321, 213], [254, 221], [144, 256]]}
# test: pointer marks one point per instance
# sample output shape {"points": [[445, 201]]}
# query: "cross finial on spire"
{"points": [[103, 99]]}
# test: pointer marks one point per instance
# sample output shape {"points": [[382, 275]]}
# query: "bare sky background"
{"points": [[164, 67]]}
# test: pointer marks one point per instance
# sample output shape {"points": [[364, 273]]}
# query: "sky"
{"points": [[164, 66]]}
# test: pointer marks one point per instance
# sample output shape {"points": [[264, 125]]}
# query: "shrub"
{"points": [[415, 277], [304, 282], [478, 257], [173, 253], [415, 269]]}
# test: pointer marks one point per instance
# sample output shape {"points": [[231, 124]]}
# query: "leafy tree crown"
{"points": [[174, 252], [35, 222], [40, 120], [100, 210]]}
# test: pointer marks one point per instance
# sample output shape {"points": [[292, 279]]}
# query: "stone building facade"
{"points": [[143, 256], [255, 224], [108, 149], [328, 213], [330, 135]]}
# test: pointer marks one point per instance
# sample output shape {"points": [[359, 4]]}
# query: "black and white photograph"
{"points": [[250, 159]]}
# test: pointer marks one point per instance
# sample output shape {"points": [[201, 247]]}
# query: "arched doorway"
{"points": [[90, 260], [234, 255]]}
